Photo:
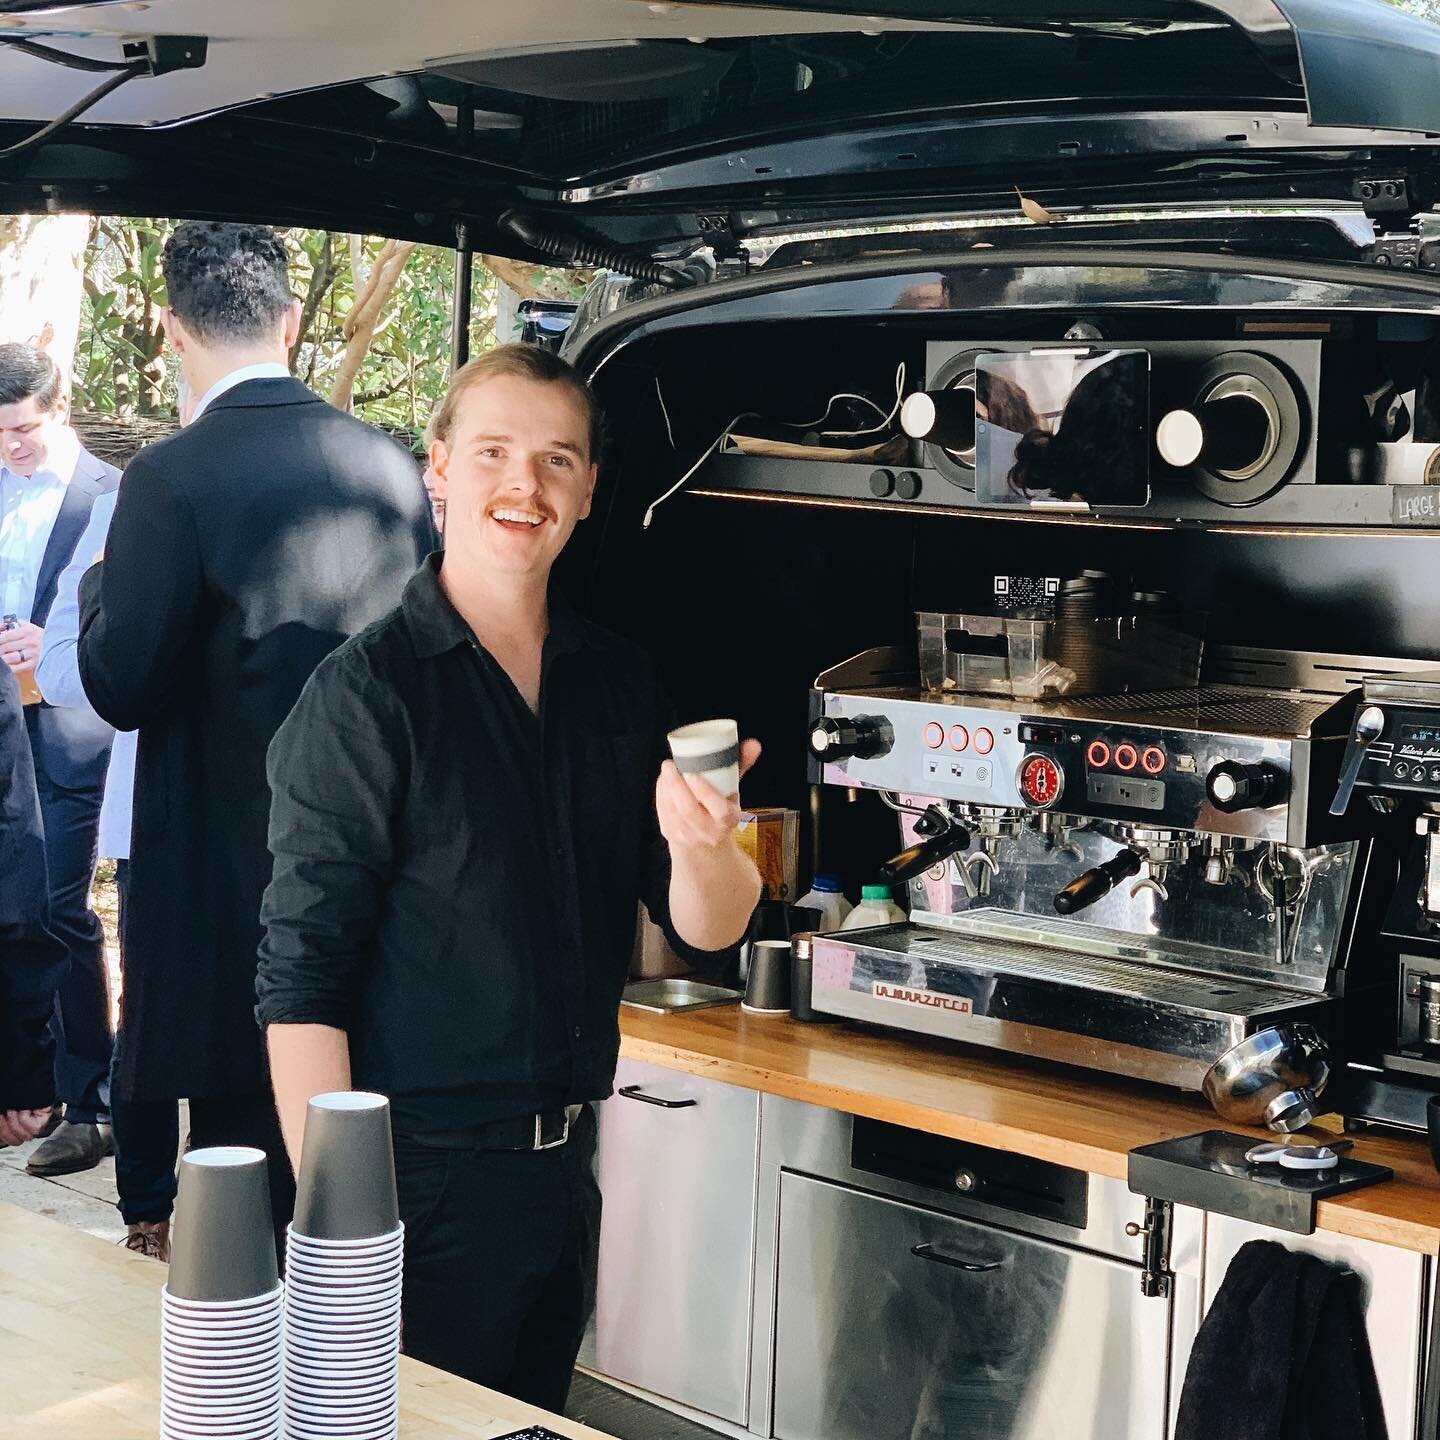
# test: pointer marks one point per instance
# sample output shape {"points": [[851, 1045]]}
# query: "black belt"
{"points": [[544, 1131]]}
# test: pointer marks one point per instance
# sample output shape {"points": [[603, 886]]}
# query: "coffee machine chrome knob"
{"points": [[1233, 787], [865, 737]]}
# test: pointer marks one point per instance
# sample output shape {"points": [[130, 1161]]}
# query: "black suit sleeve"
{"points": [[32, 961], [140, 610]]}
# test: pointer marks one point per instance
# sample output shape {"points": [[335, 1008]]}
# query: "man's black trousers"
{"points": [[500, 1252]]}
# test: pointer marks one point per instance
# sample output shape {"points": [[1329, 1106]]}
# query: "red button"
{"points": [[1126, 756], [1152, 759], [959, 737], [1098, 754], [983, 740], [934, 735]]}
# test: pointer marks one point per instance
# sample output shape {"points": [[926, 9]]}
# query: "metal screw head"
{"points": [[964, 1180]]}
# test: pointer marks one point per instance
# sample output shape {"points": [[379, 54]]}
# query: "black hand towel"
{"points": [[1282, 1355]]}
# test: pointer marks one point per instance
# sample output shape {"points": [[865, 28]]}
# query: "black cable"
{"points": [[570, 250], [130, 72], [62, 57]]}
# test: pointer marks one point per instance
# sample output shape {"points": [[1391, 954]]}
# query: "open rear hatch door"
{"points": [[642, 125]]}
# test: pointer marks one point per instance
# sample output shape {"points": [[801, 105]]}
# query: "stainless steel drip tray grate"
{"points": [[1117, 979]]}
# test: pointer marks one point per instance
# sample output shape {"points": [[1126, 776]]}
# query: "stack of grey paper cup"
{"points": [[343, 1275], [220, 1311]]}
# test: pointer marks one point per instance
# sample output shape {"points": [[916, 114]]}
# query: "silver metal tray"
{"points": [[667, 996]]}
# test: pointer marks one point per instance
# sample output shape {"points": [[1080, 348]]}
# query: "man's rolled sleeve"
{"points": [[336, 772]]}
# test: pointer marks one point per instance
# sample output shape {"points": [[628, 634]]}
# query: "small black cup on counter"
{"points": [[767, 991]]}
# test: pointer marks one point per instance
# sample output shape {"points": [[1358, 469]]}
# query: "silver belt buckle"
{"points": [[552, 1144]]}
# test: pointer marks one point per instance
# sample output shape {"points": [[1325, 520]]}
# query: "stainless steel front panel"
{"points": [[673, 1304], [1141, 1020], [897, 1323], [934, 752]]}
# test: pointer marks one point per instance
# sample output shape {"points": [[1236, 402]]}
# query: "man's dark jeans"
{"points": [[500, 1254], [81, 1023]]}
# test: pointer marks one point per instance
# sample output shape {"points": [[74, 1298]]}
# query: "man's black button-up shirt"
{"points": [[456, 879]]}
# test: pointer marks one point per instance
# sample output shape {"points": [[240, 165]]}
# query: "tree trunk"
{"points": [[41, 270], [364, 318]]}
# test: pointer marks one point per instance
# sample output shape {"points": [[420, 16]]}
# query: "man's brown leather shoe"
{"points": [[71, 1149], [150, 1238]]}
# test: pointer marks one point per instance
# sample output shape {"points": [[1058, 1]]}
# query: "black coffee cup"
{"points": [[224, 1241], [1432, 1124], [767, 991], [346, 1186]]}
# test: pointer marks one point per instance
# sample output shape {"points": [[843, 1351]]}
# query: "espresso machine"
{"points": [[1136, 880], [1392, 771]]}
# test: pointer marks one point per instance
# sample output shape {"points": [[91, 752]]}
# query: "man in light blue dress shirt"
{"points": [[48, 483]]}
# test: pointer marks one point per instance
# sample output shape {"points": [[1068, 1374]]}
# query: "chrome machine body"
{"points": [[1132, 882]]}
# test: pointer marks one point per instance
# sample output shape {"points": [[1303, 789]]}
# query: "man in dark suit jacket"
{"points": [[32, 961], [243, 550], [48, 482]]}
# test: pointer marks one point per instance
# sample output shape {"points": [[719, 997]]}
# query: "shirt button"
{"points": [[577, 1032]]}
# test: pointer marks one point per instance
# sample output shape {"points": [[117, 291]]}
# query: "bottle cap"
{"points": [[876, 892], [827, 884]]}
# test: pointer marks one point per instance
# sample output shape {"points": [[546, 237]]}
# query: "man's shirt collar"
{"points": [[436, 626], [266, 370]]}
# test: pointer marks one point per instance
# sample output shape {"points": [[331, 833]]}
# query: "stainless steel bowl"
{"points": [[1274, 1077]]}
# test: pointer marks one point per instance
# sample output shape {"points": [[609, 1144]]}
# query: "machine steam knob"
{"points": [[863, 737], [1232, 786]]}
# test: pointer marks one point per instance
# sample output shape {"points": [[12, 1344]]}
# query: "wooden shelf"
{"points": [[1050, 1112]]}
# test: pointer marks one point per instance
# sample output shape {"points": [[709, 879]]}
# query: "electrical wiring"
{"points": [[709, 450]]}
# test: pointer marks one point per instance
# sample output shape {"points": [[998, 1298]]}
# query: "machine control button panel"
{"points": [[1128, 790]]}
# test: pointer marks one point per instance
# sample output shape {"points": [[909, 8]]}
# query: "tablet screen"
{"points": [[1062, 428]]}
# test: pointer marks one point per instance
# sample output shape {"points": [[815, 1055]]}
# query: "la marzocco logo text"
{"points": [[957, 1004]]}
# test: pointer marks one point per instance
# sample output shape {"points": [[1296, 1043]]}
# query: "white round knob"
{"points": [[917, 415], [1179, 437]]}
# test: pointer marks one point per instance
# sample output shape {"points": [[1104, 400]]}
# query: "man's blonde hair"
{"points": [[523, 362]]}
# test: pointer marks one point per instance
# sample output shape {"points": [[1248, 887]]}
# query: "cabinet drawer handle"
{"points": [[929, 1252], [634, 1092]]}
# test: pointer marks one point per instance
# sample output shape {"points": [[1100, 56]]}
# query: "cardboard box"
{"points": [[770, 836]]}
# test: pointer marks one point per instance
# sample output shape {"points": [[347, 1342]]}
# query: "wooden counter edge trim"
{"points": [[1336, 1217]]}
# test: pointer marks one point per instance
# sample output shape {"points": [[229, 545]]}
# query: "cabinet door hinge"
{"points": [[1154, 1234]]}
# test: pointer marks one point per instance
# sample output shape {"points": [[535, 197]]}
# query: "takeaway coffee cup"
{"points": [[767, 991], [224, 1245], [346, 1186], [710, 748]]}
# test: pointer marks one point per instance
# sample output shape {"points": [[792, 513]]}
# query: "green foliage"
{"points": [[122, 366]]}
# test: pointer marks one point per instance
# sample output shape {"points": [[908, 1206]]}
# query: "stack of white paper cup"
{"points": [[220, 1313], [343, 1276]]}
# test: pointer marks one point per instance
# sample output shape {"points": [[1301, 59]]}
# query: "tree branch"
{"points": [[322, 276]]}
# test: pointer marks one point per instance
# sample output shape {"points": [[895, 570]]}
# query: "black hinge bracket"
{"points": [[1383, 197], [1156, 1279]]}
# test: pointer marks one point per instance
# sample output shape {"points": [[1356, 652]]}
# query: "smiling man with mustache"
{"points": [[465, 813]]}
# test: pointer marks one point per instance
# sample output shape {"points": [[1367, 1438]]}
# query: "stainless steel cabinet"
{"points": [[897, 1323], [1394, 1289], [678, 1161]]}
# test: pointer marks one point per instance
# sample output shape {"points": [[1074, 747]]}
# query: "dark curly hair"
{"points": [[1096, 454], [227, 282], [26, 370]]}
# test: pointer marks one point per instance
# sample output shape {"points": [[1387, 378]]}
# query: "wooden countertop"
{"points": [[1050, 1112], [80, 1349]]}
